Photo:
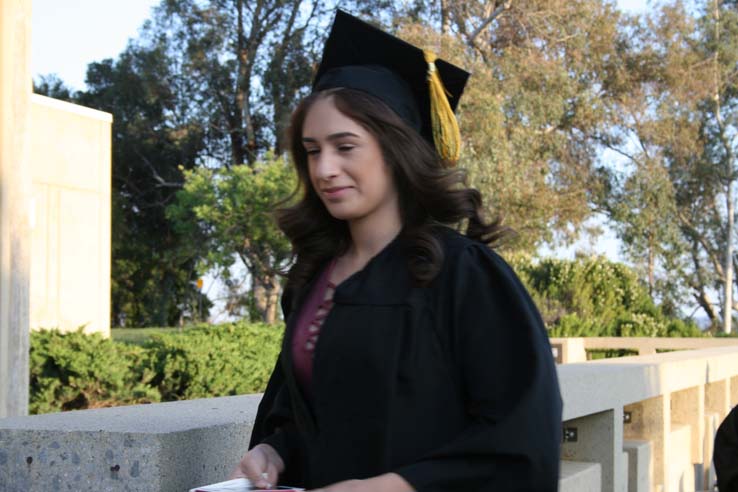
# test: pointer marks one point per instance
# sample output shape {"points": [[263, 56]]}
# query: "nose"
{"points": [[325, 165]]}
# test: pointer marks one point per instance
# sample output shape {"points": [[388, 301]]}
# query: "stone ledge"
{"points": [[577, 476], [161, 447]]}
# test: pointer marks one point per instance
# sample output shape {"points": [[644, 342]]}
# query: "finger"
{"points": [[272, 473], [237, 473], [263, 481]]}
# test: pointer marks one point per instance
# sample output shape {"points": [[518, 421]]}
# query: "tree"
{"points": [[153, 134], [227, 214], [52, 86], [644, 212], [536, 99], [681, 114], [236, 53]]}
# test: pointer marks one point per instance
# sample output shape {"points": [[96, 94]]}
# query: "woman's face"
{"points": [[346, 166]]}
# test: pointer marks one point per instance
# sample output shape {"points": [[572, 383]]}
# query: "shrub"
{"points": [[219, 360], [595, 297], [73, 371]]}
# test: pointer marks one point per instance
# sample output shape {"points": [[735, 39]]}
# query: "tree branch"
{"points": [[495, 14]]}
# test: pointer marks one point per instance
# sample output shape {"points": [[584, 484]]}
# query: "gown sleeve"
{"points": [[503, 360], [725, 455], [274, 423]]}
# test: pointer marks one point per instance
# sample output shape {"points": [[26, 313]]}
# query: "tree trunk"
{"points": [[243, 128], [266, 292], [729, 207], [273, 293], [728, 307], [445, 18], [704, 302], [651, 265]]}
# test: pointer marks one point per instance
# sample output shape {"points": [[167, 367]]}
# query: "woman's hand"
{"points": [[389, 482], [261, 466]]}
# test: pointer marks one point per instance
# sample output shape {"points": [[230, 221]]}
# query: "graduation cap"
{"points": [[423, 90]]}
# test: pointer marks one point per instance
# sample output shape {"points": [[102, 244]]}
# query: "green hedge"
{"points": [[214, 361], [72, 371], [596, 297]]}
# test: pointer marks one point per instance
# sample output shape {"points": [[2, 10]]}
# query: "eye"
{"points": [[312, 151], [345, 148]]}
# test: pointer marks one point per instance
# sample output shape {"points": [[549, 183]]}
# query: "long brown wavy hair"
{"points": [[430, 194]]}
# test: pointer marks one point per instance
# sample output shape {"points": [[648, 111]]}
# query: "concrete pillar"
{"points": [[640, 465], [568, 350], [711, 425], [598, 438], [15, 186], [688, 408], [650, 420], [717, 398]]}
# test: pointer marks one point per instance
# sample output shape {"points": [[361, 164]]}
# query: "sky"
{"points": [[67, 35]]}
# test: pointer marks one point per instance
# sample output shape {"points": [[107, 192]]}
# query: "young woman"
{"points": [[413, 358]]}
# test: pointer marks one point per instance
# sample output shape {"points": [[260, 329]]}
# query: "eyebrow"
{"points": [[331, 137]]}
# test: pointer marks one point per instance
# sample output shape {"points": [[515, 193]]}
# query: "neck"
{"points": [[369, 236]]}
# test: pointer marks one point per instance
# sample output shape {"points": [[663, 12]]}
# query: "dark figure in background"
{"points": [[413, 358], [725, 455]]}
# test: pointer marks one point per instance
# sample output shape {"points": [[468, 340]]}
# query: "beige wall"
{"points": [[71, 188]]}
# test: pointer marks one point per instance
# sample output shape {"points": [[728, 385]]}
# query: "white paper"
{"points": [[236, 485]]}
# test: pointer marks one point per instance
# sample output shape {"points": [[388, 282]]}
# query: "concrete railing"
{"points": [[574, 349], [641, 423], [648, 422]]}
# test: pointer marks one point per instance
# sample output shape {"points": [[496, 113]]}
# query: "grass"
{"points": [[594, 354], [138, 336]]}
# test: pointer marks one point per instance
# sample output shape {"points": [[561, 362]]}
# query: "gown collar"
{"points": [[384, 280]]}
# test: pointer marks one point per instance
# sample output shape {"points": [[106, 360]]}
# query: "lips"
{"points": [[335, 191]]}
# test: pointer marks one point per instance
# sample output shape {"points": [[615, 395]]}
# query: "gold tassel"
{"points": [[446, 133]]}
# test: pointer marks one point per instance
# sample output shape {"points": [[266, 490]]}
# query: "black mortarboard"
{"points": [[359, 56]]}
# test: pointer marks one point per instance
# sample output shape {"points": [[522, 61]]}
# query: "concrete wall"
{"points": [[71, 165], [15, 191]]}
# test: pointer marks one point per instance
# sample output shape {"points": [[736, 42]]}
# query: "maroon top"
{"points": [[305, 337]]}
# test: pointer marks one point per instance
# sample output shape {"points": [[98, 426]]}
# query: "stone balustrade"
{"points": [[574, 349], [648, 421], [641, 423]]}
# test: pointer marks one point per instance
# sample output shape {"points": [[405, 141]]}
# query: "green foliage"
{"points": [[532, 105], [676, 128], [73, 370], [596, 297], [214, 361], [227, 214], [141, 336]]}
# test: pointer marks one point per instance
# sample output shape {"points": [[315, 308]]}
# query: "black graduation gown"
{"points": [[452, 386], [725, 455]]}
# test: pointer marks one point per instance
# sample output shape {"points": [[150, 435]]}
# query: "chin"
{"points": [[341, 213]]}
